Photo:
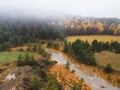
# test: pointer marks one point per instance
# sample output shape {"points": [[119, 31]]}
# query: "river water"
{"points": [[96, 82]]}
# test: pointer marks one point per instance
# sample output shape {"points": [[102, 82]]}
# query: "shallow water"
{"points": [[96, 82]]}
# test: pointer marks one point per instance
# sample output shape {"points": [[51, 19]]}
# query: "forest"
{"points": [[15, 32]]}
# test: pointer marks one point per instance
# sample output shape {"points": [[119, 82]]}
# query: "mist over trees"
{"points": [[92, 26], [17, 31]]}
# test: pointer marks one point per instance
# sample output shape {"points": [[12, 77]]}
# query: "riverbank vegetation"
{"points": [[24, 42], [64, 79]]}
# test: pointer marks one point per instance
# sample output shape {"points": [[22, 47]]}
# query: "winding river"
{"points": [[96, 82]]}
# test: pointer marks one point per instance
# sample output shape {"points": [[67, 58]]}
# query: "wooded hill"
{"points": [[17, 31]]}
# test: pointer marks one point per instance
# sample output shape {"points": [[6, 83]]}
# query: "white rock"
{"points": [[10, 76]]}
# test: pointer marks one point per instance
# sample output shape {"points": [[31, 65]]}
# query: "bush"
{"points": [[34, 83], [34, 48], [76, 87], [42, 41], [50, 44], [37, 70], [67, 65], [1, 70], [52, 62], [20, 57], [21, 50], [20, 62], [32, 63], [52, 83], [56, 46], [26, 59], [44, 53], [82, 79], [108, 68], [32, 57], [118, 80], [73, 71]]}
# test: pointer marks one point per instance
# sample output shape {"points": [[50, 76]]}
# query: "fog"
{"points": [[45, 8]]}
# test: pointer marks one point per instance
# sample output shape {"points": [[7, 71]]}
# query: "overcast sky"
{"points": [[94, 8]]}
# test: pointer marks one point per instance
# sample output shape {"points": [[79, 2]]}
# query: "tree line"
{"points": [[81, 51], [16, 32], [19, 32], [84, 52], [113, 46]]}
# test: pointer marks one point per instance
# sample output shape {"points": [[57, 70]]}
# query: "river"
{"points": [[95, 82]]}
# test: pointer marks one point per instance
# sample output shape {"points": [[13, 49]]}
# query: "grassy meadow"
{"points": [[11, 56], [105, 57], [90, 38]]}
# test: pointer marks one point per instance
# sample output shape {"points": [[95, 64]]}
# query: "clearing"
{"points": [[11, 56], [105, 57]]}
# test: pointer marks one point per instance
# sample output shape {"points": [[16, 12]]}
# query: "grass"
{"points": [[10, 56], [90, 38], [105, 57]]}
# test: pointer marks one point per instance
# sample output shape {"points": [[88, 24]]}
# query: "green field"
{"points": [[90, 38], [105, 57], [10, 56]]}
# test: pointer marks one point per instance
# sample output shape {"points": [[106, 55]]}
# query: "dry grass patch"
{"points": [[105, 57], [90, 38]]}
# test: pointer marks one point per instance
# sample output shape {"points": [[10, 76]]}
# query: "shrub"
{"points": [[118, 80], [108, 68], [34, 48], [21, 50], [26, 60], [52, 62], [76, 87], [37, 70], [1, 70], [82, 79], [56, 46], [44, 53], [52, 83], [32, 63], [67, 65], [20, 57], [109, 77], [32, 57], [42, 42], [73, 71], [34, 83], [20, 62], [50, 44], [26, 57]]}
